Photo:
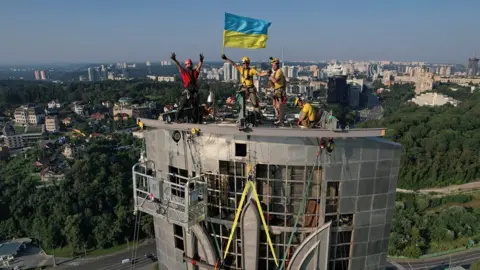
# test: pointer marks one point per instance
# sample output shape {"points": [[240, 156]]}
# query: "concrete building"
{"points": [[29, 115], [192, 184], [166, 78], [227, 72], [472, 67], [125, 106], [434, 99], [79, 109], [13, 139], [52, 123]]}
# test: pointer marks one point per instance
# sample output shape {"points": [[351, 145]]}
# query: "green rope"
{"points": [[300, 211], [216, 242]]}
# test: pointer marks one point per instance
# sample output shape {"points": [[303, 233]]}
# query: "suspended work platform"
{"points": [[181, 200]]}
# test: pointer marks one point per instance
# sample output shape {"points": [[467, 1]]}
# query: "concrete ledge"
{"points": [[231, 129]]}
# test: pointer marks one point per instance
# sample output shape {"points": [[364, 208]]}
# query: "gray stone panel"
{"points": [[361, 234], [365, 187], [333, 172], [364, 203], [347, 205], [379, 201], [351, 171], [348, 188], [367, 169], [382, 185], [357, 263]]}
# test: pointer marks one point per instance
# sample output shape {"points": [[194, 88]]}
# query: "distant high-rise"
{"points": [[235, 74], [92, 74], [227, 72], [43, 75], [103, 73], [472, 68], [337, 89], [37, 75], [149, 68], [292, 72]]}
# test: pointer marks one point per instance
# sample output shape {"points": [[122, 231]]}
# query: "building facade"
{"points": [[344, 222], [52, 124], [28, 115]]}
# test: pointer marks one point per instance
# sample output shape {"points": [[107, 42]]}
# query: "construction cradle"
{"points": [[270, 198]]}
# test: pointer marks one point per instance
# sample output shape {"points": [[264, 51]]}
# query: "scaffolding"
{"points": [[181, 200]]}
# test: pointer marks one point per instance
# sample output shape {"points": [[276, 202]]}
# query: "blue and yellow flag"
{"points": [[243, 32]]}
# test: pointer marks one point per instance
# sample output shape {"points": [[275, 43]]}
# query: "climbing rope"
{"points": [[136, 234], [250, 184], [220, 260], [300, 210]]}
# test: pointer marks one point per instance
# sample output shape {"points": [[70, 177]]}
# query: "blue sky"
{"points": [[36, 31]]}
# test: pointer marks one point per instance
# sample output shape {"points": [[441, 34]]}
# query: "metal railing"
{"points": [[182, 200]]}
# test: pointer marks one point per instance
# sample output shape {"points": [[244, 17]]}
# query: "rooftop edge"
{"points": [[268, 131]]}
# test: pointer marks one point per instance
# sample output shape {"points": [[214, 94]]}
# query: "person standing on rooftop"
{"points": [[190, 94], [279, 96], [247, 89]]}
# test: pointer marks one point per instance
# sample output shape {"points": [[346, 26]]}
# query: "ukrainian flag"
{"points": [[243, 32]]}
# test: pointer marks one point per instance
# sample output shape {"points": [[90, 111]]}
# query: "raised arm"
{"points": [[174, 59], [200, 63], [224, 57], [264, 73]]}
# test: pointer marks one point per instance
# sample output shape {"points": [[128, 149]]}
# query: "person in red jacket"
{"points": [[190, 94]]}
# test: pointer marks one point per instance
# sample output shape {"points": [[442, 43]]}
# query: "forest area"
{"points": [[424, 224], [14, 93], [93, 206], [440, 143], [439, 150]]}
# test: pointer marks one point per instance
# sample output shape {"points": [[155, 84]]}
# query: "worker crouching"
{"points": [[308, 115], [247, 89]]}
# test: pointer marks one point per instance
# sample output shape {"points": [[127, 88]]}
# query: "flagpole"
{"points": [[223, 43]]}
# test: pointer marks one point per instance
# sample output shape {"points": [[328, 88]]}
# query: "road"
{"points": [[445, 190], [439, 263], [110, 262]]}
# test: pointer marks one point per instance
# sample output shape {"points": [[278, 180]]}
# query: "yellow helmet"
{"points": [[274, 60], [245, 59]]}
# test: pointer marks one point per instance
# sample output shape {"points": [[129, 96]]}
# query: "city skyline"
{"points": [[108, 31]]}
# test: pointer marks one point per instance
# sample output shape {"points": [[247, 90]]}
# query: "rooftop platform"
{"points": [[269, 130]]}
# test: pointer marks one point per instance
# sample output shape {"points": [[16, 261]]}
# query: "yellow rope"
{"points": [[265, 227], [237, 216]]}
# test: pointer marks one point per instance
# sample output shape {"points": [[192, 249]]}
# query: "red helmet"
{"points": [[188, 61]]}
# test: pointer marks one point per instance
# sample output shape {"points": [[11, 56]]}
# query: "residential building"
{"points": [[51, 173], [120, 116], [79, 109], [52, 123], [29, 115], [54, 104], [166, 78], [67, 121], [72, 151]]}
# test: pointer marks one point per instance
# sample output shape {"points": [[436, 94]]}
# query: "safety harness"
{"points": [[192, 84], [246, 77]]}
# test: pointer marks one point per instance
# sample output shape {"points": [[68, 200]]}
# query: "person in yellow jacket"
{"points": [[247, 88], [308, 114]]}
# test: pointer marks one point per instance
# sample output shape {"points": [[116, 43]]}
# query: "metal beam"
{"points": [[231, 129]]}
